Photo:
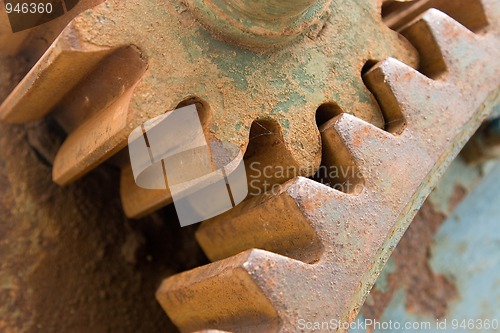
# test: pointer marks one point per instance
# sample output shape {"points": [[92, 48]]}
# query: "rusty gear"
{"points": [[397, 109]]}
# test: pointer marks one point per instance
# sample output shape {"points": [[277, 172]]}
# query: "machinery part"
{"points": [[258, 290], [233, 86], [470, 13], [334, 249], [261, 24], [425, 278], [32, 43]]}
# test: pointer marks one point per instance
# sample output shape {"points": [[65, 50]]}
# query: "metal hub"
{"points": [[261, 24]]}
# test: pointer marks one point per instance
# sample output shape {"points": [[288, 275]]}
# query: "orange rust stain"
{"points": [[427, 293]]}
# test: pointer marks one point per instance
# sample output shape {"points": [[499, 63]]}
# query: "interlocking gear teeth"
{"points": [[32, 43], [333, 244], [357, 233], [56, 73], [434, 36], [470, 13], [248, 226], [138, 202], [239, 86]]}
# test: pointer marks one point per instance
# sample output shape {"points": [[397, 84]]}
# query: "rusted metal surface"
{"points": [[357, 233], [452, 275], [470, 13], [70, 261], [409, 269], [284, 84], [400, 129], [32, 43]]}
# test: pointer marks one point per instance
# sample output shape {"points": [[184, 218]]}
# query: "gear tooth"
{"points": [[343, 162], [394, 86], [138, 202], [376, 156], [360, 139], [221, 295], [94, 141], [470, 13], [252, 224], [102, 132], [60, 69], [350, 143], [439, 38], [96, 111]]}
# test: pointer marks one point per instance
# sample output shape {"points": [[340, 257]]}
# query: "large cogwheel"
{"points": [[122, 63]]}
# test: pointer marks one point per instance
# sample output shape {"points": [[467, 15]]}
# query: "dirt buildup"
{"points": [[70, 260]]}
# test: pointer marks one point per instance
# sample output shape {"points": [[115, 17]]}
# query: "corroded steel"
{"points": [[319, 260], [263, 23], [356, 233], [470, 13], [177, 59]]}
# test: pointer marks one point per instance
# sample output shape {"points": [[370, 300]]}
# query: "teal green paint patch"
{"points": [[305, 79], [214, 127], [459, 174], [236, 63], [285, 123], [362, 95], [278, 80]]}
